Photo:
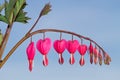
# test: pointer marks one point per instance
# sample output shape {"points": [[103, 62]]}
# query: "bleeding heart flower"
{"points": [[100, 58], [30, 54], [72, 46], [82, 49], [60, 46], [43, 47], [91, 52], [107, 59], [95, 51], [91, 48]]}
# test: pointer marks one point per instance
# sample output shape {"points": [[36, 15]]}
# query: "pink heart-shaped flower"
{"points": [[30, 54], [82, 49], [60, 46], [91, 48], [44, 46], [30, 51], [100, 58], [95, 51], [72, 46], [91, 52]]}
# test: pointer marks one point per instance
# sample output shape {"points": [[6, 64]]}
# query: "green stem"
{"points": [[5, 40], [34, 24]]}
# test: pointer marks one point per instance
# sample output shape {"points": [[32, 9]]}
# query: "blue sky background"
{"points": [[97, 19]]}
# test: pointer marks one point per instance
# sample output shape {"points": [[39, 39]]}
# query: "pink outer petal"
{"points": [[82, 49], [91, 48], [30, 51], [44, 46], [60, 46], [100, 55], [96, 55], [95, 51], [72, 46]]}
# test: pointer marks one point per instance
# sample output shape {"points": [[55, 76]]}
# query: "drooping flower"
{"points": [[91, 52], [60, 46], [100, 58], [30, 54], [72, 46], [107, 59], [82, 50], [95, 51], [43, 47]]}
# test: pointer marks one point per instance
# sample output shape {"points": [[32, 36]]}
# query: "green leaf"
{"points": [[2, 7], [46, 9], [22, 17], [14, 12], [3, 18], [20, 4], [9, 10]]}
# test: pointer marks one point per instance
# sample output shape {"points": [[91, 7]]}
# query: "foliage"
{"points": [[14, 11], [2, 6]]}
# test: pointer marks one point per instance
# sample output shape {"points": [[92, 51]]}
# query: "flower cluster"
{"points": [[44, 46]]}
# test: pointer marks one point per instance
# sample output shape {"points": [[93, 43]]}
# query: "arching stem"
{"points": [[43, 31]]}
